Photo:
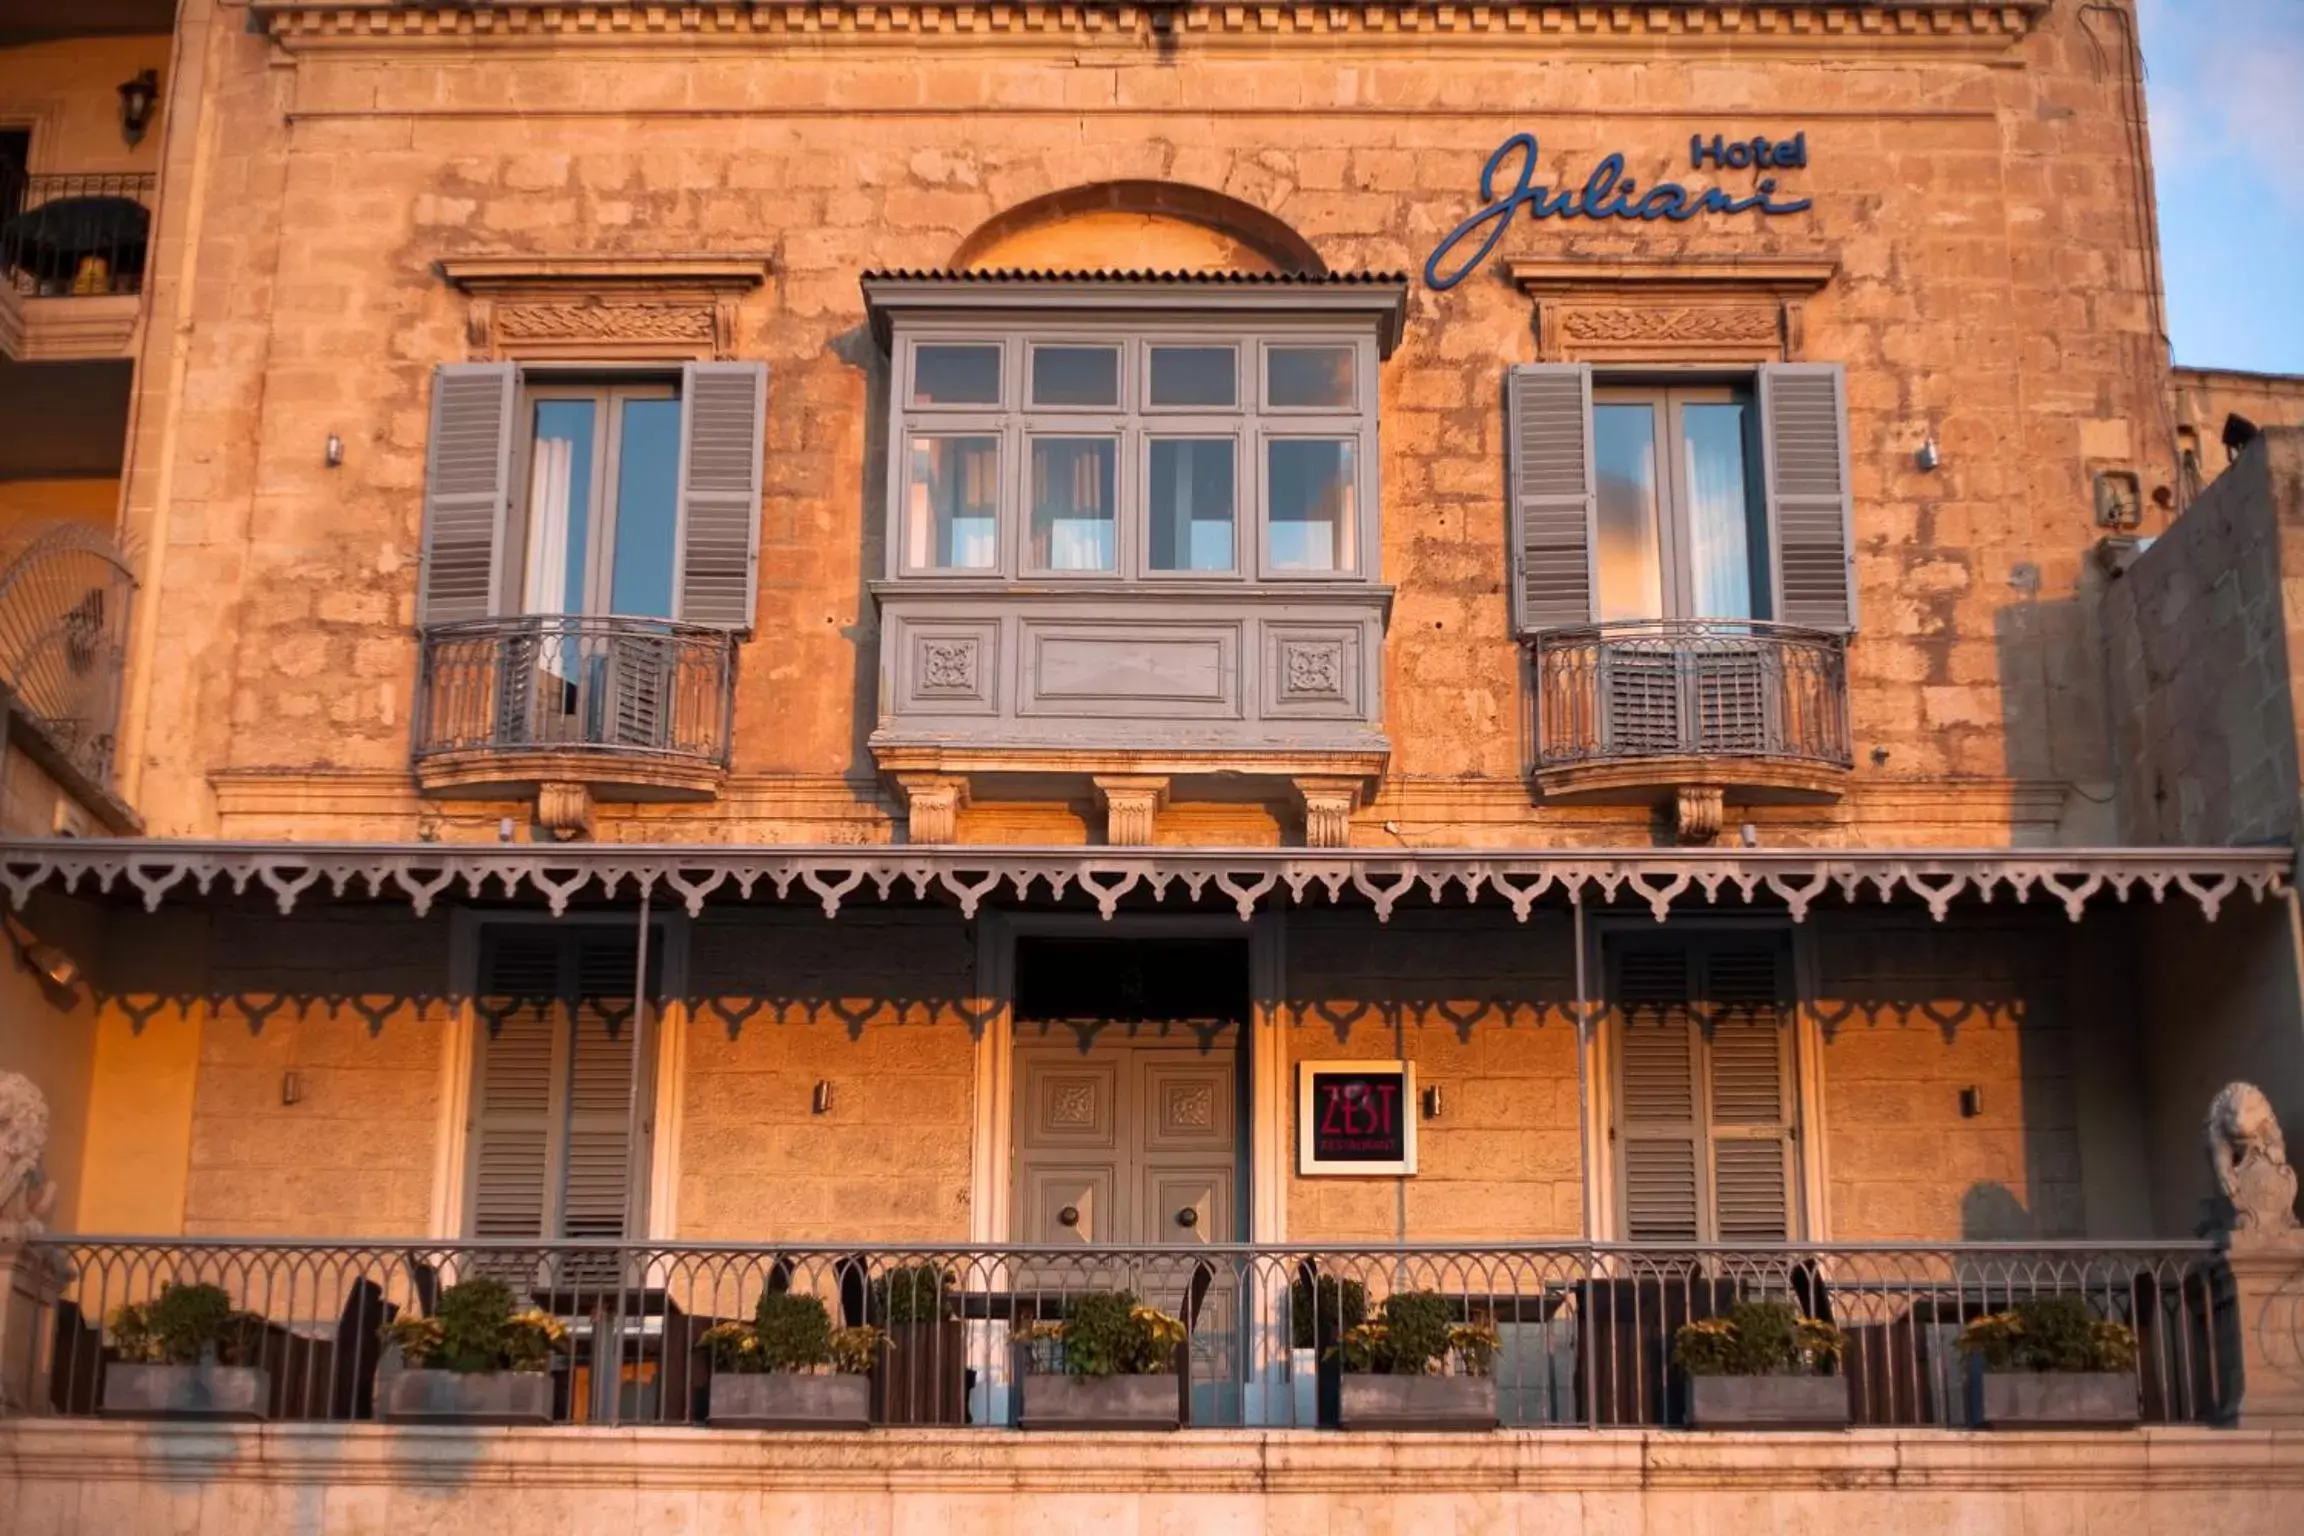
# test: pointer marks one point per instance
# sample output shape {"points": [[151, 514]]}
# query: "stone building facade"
{"points": [[780, 629]]}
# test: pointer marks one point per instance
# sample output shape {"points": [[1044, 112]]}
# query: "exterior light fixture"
{"points": [[42, 958], [334, 451], [137, 99], [821, 1101], [1929, 456]]}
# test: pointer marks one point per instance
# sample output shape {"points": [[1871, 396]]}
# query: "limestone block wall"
{"points": [[876, 1005], [2204, 397], [1909, 1014], [2205, 645], [1974, 181], [1481, 1005]]}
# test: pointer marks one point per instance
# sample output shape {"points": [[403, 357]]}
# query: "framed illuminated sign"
{"points": [[1355, 1118]]}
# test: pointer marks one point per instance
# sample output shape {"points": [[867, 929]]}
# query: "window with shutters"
{"points": [[561, 1053], [1703, 1130], [1683, 566], [590, 549]]}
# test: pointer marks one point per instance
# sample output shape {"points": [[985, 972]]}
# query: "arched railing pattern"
{"points": [[64, 638]]}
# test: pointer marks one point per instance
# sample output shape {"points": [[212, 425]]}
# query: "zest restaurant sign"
{"points": [[1610, 194]]}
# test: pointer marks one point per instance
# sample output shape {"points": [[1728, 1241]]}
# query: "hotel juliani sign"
{"points": [[1608, 193]]}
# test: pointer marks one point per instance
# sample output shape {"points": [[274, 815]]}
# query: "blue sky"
{"points": [[2225, 84]]}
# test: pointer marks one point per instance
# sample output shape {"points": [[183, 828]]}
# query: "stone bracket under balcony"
{"points": [[1132, 698], [1693, 715], [567, 711]]}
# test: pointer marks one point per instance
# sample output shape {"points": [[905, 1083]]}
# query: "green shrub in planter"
{"points": [[187, 1325], [1415, 1333], [1323, 1308], [912, 1293], [1110, 1333], [1758, 1338], [473, 1330], [792, 1333], [2050, 1333]]}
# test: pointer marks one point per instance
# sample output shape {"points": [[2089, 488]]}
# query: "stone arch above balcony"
{"points": [[1137, 226]]}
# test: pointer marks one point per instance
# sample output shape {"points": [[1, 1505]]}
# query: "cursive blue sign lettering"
{"points": [[1606, 194]]}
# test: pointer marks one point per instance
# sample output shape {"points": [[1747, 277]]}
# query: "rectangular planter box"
{"points": [[186, 1391], [783, 1400], [466, 1397], [923, 1375], [1415, 1402], [2051, 1399], [1767, 1402], [1106, 1402]]}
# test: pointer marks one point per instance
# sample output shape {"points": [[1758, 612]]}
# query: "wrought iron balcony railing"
{"points": [[1691, 688], [1583, 1334], [560, 683], [75, 236], [64, 597]]}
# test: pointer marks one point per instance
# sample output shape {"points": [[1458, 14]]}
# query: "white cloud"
{"points": [[2227, 82]]}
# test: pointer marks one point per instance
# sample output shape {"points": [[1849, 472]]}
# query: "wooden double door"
{"points": [[1127, 1142]]}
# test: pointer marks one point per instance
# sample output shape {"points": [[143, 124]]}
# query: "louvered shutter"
{"points": [[1731, 693], [724, 413], [467, 489], [1659, 1131], [600, 1176], [1643, 693], [1548, 411], [1804, 449], [639, 683], [513, 1095], [1746, 1048]]}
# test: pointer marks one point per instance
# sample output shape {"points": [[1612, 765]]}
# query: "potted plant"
{"points": [[1321, 1310], [922, 1376], [1414, 1366], [187, 1354], [1763, 1366], [474, 1360], [2049, 1361], [1110, 1363], [769, 1373]]}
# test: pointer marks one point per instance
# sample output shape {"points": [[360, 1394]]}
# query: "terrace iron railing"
{"points": [[1691, 688], [1584, 1332], [64, 598], [74, 236], [543, 683]]}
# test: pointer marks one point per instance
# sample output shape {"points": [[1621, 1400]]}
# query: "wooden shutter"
{"points": [[1747, 1047], [1731, 697], [639, 686], [1659, 1126], [597, 1188], [1642, 689], [723, 415], [1804, 449], [467, 491], [513, 1096], [1548, 410]]}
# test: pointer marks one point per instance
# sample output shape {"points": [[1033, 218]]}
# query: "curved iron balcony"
{"points": [[545, 685], [1691, 688]]}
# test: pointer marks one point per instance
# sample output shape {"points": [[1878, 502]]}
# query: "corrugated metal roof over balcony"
{"points": [[1382, 296]]}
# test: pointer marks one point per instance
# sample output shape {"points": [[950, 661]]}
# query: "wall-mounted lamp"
{"points": [[1432, 1102], [291, 1087], [40, 957], [137, 99], [334, 452], [1971, 1103], [1929, 456], [820, 1102]]}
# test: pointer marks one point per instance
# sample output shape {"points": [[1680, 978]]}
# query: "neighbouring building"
{"points": [[946, 655]]}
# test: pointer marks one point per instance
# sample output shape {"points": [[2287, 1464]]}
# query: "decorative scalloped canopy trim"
{"points": [[1245, 879], [1915, 22]]}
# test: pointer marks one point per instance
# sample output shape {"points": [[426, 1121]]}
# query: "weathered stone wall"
{"points": [[1483, 1007], [879, 1008], [1910, 1013], [2203, 397], [2207, 661], [1975, 187]]}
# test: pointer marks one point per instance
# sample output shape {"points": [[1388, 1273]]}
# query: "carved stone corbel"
{"points": [[933, 804], [1697, 812], [1328, 807], [1132, 805], [564, 809]]}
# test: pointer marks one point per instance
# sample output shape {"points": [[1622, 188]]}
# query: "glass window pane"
{"points": [[951, 503], [1727, 526], [1312, 521], [1076, 376], [1205, 376], [647, 508], [559, 507], [1300, 377], [1072, 503], [1630, 555], [963, 374], [1193, 483]]}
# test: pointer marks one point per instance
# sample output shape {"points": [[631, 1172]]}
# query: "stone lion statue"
{"points": [[26, 1193], [2250, 1157]]}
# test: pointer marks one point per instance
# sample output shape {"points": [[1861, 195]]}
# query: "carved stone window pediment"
{"points": [[1688, 310], [603, 308]]}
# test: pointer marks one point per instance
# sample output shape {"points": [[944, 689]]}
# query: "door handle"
{"points": [[1069, 1216], [1188, 1218]]}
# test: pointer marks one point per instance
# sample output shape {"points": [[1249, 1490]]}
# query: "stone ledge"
{"points": [[36, 1452]]}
